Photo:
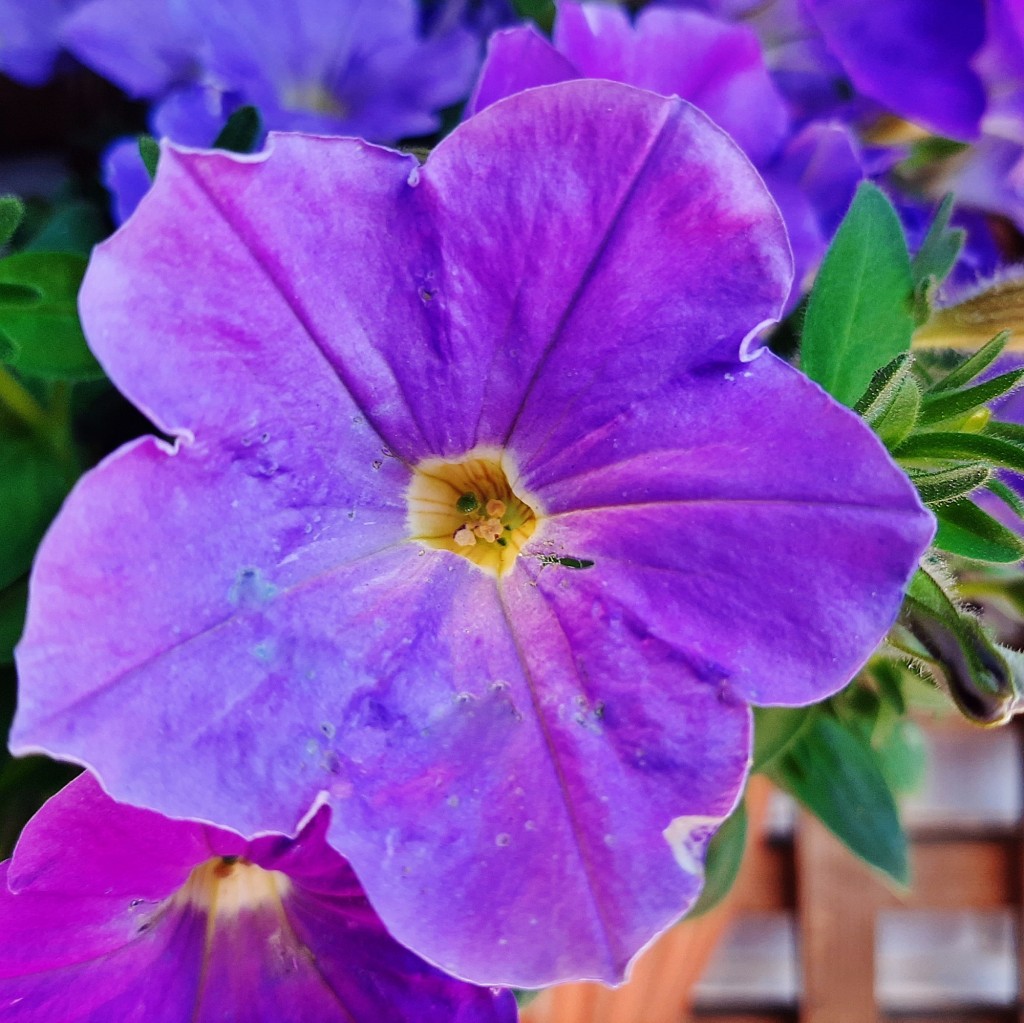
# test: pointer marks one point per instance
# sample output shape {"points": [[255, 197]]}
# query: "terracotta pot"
{"points": [[660, 986]]}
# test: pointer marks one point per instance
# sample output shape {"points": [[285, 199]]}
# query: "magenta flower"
{"points": [[486, 519], [112, 913], [718, 67]]}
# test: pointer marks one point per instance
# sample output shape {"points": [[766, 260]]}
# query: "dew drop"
{"points": [[503, 840], [530, 825], [452, 801], [328, 729]]}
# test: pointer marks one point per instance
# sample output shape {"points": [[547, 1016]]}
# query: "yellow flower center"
{"points": [[312, 97], [226, 885], [469, 508]]}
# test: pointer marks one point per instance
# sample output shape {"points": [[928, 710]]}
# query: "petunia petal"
{"points": [[914, 56], [517, 58], [267, 948], [699, 510], [714, 65]]}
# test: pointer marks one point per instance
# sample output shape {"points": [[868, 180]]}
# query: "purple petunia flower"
{"points": [[336, 67], [30, 37], [486, 519], [716, 66], [912, 56], [112, 913], [340, 67]]}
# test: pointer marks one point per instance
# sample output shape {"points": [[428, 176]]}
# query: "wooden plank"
{"points": [[837, 901], [1019, 914], [765, 1016], [962, 874]]}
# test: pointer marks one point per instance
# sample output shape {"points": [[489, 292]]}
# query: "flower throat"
{"points": [[469, 508]]}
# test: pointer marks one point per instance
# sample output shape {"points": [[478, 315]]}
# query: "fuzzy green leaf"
{"points": [[39, 316], [966, 530], [891, 402], [973, 366], [1007, 495], [938, 408], [939, 250], [976, 672], [945, 485], [836, 775], [860, 313], [964, 447]]}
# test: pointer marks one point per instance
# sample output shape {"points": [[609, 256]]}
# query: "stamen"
{"points": [[469, 508]]}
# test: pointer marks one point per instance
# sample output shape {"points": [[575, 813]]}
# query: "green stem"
{"points": [[23, 404]]}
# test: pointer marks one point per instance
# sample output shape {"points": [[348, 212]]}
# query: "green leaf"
{"points": [[12, 211], [939, 250], [149, 150], [724, 859], [966, 530], [32, 486], [946, 405], [976, 673], [859, 316], [964, 447], [884, 386], [972, 366], [540, 11], [12, 617], [897, 422], [242, 132], [903, 757], [1007, 495], [1006, 431], [946, 485], [39, 316], [891, 402], [74, 226], [775, 728], [889, 678], [836, 775]]}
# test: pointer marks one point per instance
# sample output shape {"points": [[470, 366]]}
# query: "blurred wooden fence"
{"points": [[837, 909]]}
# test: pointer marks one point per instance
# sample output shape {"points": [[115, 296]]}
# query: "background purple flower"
{"points": [[912, 56], [30, 37], [562, 301], [718, 67], [343, 67], [115, 913], [364, 68]]}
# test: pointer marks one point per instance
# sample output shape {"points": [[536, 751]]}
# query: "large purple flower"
{"points": [[485, 520], [718, 67], [111, 913]]}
